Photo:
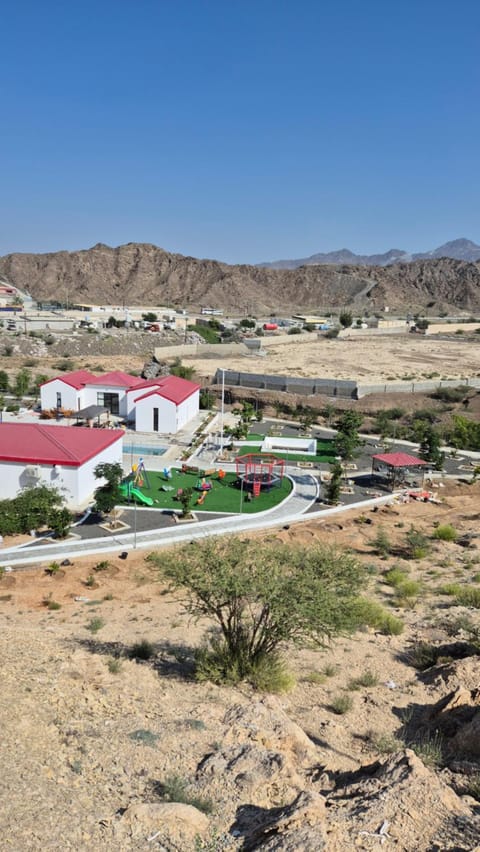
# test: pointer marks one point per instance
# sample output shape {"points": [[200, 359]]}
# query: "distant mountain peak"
{"points": [[459, 249]]}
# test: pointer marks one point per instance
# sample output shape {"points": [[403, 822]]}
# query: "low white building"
{"points": [[162, 405], [62, 457]]}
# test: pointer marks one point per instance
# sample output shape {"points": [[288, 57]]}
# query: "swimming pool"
{"points": [[141, 450]]}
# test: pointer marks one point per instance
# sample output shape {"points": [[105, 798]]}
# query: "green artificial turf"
{"points": [[223, 497], [325, 452]]}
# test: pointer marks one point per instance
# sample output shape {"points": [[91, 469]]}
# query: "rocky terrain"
{"points": [[139, 273], [103, 750]]}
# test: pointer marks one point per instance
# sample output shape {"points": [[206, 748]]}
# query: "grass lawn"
{"points": [[325, 452], [223, 497]]}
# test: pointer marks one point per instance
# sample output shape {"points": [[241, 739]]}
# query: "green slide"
{"points": [[134, 492]]}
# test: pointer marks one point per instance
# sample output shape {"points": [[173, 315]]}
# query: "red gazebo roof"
{"points": [[399, 460]]}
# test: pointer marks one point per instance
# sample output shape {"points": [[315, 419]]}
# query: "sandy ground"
{"points": [[70, 760], [369, 359]]}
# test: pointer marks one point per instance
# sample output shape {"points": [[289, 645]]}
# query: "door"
{"points": [[155, 419]]}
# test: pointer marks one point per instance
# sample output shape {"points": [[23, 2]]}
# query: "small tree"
{"points": [[4, 381], [60, 522], [207, 399], [247, 323], [347, 439], [334, 484], [108, 495], [186, 498], [345, 319], [22, 383], [430, 448], [261, 597], [149, 317]]}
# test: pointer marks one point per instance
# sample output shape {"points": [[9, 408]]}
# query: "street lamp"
{"points": [[222, 409], [134, 524]]}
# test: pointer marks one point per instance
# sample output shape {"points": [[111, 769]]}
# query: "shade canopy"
{"points": [[398, 460]]}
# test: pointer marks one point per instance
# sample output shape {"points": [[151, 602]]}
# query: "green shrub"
{"points": [[371, 614], [270, 674], [386, 744], [114, 665], [382, 543], [95, 624], [341, 705], [408, 589], [145, 737], [395, 577], [315, 677], [368, 678], [176, 789], [450, 589], [467, 596], [445, 532], [102, 566], [429, 749], [54, 605], [143, 650], [422, 656]]}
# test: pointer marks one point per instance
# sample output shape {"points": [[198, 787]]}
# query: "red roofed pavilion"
{"points": [[396, 467]]}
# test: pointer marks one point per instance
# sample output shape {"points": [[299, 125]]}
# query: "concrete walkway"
{"points": [[301, 498]]}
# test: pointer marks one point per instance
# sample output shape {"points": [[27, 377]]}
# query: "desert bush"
{"points": [[143, 650], [341, 704], [429, 749], [368, 678], [422, 656], [395, 576], [95, 624], [114, 665], [416, 544], [445, 532], [261, 597], [382, 543], [372, 614], [176, 789]]}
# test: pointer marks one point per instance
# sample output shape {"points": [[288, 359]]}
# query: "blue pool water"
{"points": [[139, 450]]}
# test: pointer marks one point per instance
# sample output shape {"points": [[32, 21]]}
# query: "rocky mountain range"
{"points": [[141, 273], [460, 249]]}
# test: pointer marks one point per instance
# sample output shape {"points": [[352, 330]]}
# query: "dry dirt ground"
{"points": [[367, 359], [88, 735]]}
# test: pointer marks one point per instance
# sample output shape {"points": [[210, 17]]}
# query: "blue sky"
{"points": [[245, 130]]}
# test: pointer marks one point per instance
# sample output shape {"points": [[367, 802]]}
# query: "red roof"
{"points": [[173, 388], [33, 443], [115, 379], [399, 460], [78, 379]]}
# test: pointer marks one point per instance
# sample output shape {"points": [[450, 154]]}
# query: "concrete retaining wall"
{"points": [[333, 387], [200, 350]]}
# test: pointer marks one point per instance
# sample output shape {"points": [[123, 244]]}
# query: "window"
{"points": [[108, 400], [59, 400], [155, 419]]}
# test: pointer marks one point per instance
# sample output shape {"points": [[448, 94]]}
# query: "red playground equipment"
{"points": [[259, 472]]}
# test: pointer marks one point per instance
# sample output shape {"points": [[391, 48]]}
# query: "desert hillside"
{"points": [[139, 273], [107, 747]]}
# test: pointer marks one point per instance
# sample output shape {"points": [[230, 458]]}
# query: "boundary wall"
{"points": [[344, 389]]}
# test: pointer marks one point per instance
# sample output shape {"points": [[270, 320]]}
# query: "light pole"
{"points": [[222, 409], [241, 496], [134, 524]]}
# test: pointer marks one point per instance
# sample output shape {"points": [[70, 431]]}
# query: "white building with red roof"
{"points": [[63, 457], [162, 405]]}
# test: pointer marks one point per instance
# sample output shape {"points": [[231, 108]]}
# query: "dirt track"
{"points": [[372, 359]]}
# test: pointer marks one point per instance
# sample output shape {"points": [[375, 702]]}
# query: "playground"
{"points": [[213, 490]]}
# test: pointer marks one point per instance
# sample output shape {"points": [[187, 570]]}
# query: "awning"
{"points": [[90, 412]]}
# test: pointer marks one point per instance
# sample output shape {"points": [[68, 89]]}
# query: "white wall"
{"points": [[167, 414], [71, 397], [188, 409], [91, 392], [76, 484]]}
